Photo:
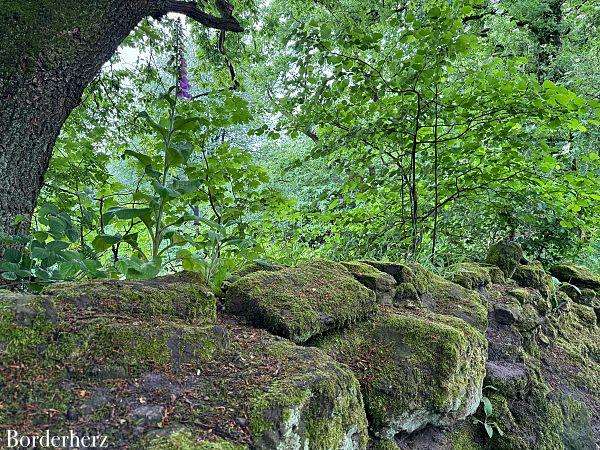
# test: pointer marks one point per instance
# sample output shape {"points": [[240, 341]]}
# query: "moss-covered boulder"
{"points": [[401, 272], [231, 385], [416, 368], [383, 284], [302, 302], [182, 296], [320, 409], [445, 297], [579, 276], [463, 435], [407, 295], [542, 368], [470, 275], [254, 266], [533, 276], [505, 255], [584, 296], [419, 286]]}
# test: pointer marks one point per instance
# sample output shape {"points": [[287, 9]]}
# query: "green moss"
{"points": [[300, 303], [320, 410], [254, 266], [139, 346], [470, 275], [184, 440], [384, 444], [505, 255], [414, 369], [496, 274], [522, 295], [463, 438], [406, 294], [534, 276], [444, 297], [165, 297], [24, 327], [383, 284], [401, 272], [580, 276]]}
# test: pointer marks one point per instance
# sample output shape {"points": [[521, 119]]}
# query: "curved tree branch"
{"points": [[191, 9]]}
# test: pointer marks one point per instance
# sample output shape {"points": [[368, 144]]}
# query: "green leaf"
{"points": [[487, 406], [57, 246], [127, 214], [10, 276], [488, 429], [163, 131], [8, 266], [103, 242], [145, 160]]}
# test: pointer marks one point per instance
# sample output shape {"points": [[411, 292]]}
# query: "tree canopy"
{"points": [[420, 130]]}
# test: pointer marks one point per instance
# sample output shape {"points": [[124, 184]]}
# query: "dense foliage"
{"points": [[423, 130]]}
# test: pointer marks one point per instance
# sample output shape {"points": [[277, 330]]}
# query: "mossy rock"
{"points": [[175, 296], [132, 348], [448, 298], [496, 274], [254, 266], [233, 387], [470, 275], [505, 255], [319, 410], [508, 377], [302, 302], [534, 276], [463, 435], [419, 286], [401, 272], [183, 439], [416, 368], [383, 444], [547, 397], [579, 276], [383, 284], [406, 294], [32, 331]]}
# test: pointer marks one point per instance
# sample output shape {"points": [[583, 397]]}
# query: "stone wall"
{"points": [[324, 355]]}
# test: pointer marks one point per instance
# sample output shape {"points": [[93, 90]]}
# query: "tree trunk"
{"points": [[51, 52]]}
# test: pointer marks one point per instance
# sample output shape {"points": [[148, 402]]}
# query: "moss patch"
{"points": [[505, 255], [302, 302], [470, 275], [416, 368], [580, 276], [183, 439], [383, 284], [447, 298], [168, 297], [533, 276], [320, 410]]}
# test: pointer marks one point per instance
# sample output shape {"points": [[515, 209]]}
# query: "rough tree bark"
{"points": [[51, 51]]}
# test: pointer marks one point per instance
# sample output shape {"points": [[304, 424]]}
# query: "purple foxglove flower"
{"points": [[183, 84]]}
